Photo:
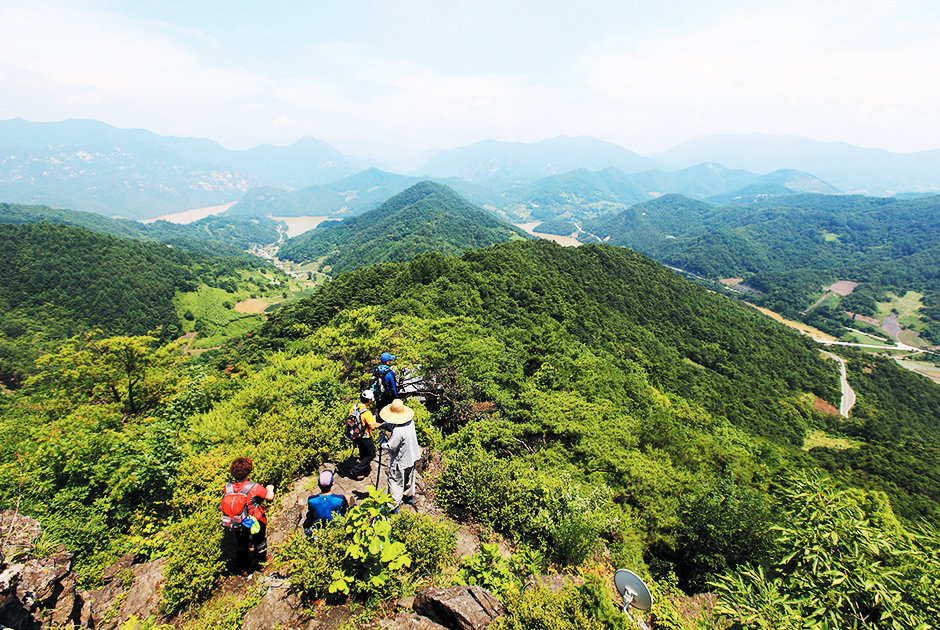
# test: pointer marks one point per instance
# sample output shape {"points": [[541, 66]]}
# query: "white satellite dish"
{"points": [[635, 594]]}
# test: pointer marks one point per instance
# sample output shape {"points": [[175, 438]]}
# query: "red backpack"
{"points": [[235, 505]]}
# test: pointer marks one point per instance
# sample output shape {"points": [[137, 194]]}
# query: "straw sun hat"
{"points": [[397, 413]]}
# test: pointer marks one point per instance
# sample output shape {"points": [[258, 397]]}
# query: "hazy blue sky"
{"points": [[391, 79]]}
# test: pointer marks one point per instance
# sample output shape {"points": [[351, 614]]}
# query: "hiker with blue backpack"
{"points": [[384, 382], [359, 426]]}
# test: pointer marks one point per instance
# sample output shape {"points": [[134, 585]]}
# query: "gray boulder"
{"points": [[459, 607], [278, 608]]}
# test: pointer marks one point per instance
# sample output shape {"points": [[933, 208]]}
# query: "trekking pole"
{"points": [[378, 469]]}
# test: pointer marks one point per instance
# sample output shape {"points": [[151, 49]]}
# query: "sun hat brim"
{"points": [[394, 416]]}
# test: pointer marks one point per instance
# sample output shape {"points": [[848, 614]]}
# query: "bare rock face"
{"points": [[18, 532], [459, 607], [35, 592], [411, 621], [279, 608], [143, 598], [129, 589]]}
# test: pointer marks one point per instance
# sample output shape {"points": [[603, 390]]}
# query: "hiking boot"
{"points": [[408, 500]]}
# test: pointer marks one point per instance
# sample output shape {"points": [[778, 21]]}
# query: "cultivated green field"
{"points": [[216, 315]]}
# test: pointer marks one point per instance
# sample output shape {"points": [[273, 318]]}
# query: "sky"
{"points": [[391, 79]]}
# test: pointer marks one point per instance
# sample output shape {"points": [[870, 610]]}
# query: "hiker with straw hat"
{"points": [[403, 451]]}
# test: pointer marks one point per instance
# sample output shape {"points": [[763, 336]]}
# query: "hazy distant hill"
{"points": [[133, 173], [847, 167], [520, 163], [582, 194], [347, 197], [426, 217], [350, 196], [214, 235]]}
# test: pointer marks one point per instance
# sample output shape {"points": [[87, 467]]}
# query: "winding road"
{"points": [[848, 394]]}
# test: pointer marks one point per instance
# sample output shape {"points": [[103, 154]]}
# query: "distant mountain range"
{"points": [[132, 173], [426, 217], [847, 167], [135, 174], [508, 163]]}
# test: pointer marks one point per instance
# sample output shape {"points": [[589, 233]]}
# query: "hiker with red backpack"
{"points": [[359, 426], [243, 515]]}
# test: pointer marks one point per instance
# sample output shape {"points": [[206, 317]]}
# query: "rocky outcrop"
{"points": [[278, 608], [127, 589], [35, 592], [411, 621], [459, 607]]}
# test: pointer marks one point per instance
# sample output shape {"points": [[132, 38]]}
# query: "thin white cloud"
{"points": [[812, 72], [863, 72]]}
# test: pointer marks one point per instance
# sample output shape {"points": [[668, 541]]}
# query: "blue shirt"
{"points": [[322, 507]]}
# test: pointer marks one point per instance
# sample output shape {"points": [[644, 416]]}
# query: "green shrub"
{"points": [[194, 562], [488, 569], [374, 560], [574, 518], [430, 543], [311, 560], [475, 484], [589, 607]]}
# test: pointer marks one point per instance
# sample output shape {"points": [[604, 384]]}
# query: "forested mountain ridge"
{"points": [[60, 280], [213, 235], [426, 217], [606, 297], [589, 404], [790, 247]]}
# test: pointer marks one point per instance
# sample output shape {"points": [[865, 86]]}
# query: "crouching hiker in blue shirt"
{"points": [[321, 507]]}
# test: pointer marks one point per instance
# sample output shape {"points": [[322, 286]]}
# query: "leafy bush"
{"points": [[836, 570], [311, 560], [430, 543], [373, 558], [589, 607], [723, 526], [194, 562], [573, 519], [488, 569], [476, 484]]}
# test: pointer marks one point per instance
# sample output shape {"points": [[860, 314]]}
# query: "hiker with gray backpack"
{"points": [[384, 382]]}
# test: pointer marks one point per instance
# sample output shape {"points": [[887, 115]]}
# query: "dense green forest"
{"points": [[426, 217], [59, 281], [788, 248], [590, 405]]}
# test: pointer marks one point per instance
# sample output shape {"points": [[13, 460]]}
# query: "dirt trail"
{"points": [[293, 505]]}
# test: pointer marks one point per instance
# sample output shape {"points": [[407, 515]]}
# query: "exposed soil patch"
{"points": [[731, 282], [842, 287], [864, 318], [823, 406], [252, 305]]}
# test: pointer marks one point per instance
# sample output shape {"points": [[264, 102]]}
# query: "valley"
{"points": [[580, 407]]}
